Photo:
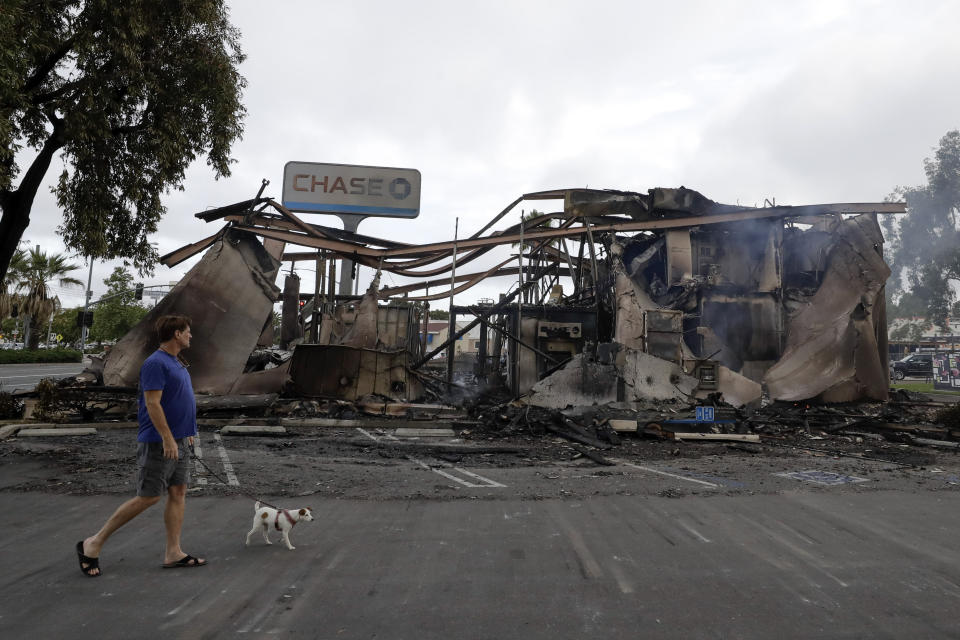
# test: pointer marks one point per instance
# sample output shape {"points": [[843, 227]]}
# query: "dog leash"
{"points": [[218, 477]]}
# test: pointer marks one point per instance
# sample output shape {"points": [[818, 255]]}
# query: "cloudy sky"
{"points": [[804, 102]]}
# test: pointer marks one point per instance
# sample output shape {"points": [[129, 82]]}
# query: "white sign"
{"points": [[313, 187]]}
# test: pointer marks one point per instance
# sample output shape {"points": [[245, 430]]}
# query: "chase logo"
{"points": [[400, 188]]}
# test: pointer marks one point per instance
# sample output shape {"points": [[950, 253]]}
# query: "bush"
{"points": [[10, 407], [29, 356]]}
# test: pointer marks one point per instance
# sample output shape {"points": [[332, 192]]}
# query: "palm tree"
{"points": [[39, 269], [8, 297]]}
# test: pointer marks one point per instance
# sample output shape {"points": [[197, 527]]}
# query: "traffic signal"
{"points": [[138, 291], [84, 320], [15, 310]]}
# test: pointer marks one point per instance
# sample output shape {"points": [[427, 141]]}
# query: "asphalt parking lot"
{"points": [[420, 537], [375, 464]]}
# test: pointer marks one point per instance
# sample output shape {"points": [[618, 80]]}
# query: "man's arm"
{"points": [[152, 399]]}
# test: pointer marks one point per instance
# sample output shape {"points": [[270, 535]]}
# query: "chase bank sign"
{"points": [[351, 189]]}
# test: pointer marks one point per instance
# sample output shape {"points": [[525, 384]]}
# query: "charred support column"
{"points": [[317, 288], [482, 351], [426, 324], [331, 281], [290, 318], [350, 223], [452, 324], [497, 340]]}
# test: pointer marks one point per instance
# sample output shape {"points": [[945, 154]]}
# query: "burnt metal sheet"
{"points": [[832, 349], [363, 333], [267, 381], [228, 294], [350, 373]]}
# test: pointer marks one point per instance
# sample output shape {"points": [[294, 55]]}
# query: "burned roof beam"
{"points": [[221, 212], [671, 223], [184, 253], [387, 292]]}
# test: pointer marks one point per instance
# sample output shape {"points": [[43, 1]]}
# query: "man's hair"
{"points": [[167, 326]]}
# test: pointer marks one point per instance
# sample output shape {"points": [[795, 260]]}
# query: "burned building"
{"points": [[667, 295]]}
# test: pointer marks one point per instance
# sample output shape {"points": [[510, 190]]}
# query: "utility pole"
{"points": [[86, 305]]}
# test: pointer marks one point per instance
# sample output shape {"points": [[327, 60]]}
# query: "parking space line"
{"points": [[375, 438], [664, 473], [487, 483], [227, 466], [198, 453]]}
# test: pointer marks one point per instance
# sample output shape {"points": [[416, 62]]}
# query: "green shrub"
{"points": [[30, 356]]}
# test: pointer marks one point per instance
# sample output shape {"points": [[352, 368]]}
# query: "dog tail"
{"points": [[256, 507]]}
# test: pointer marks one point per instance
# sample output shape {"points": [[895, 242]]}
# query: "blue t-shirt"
{"points": [[163, 372]]}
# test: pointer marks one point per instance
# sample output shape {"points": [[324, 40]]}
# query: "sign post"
{"points": [[351, 192]]}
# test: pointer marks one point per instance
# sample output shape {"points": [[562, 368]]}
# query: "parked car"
{"points": [[915, 364]]}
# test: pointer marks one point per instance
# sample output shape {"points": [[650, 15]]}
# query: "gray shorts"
{"points": [[156, 473]]}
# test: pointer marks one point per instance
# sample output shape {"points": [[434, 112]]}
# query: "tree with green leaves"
{"points": [[118, 311], [128, 94], [924, 245], [38, 271], [65, 324]]}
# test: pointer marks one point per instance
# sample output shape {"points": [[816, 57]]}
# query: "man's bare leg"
{"points": [[173, 519], [124, 514]]}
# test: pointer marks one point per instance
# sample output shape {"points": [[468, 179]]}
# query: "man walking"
{"points": [[167, 415]]}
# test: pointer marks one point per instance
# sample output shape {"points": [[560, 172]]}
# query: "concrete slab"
{"points": [[252, 430], [623, 425], [108, 425], [60, 432], [322, 422], [424, 433], [8, 430]]}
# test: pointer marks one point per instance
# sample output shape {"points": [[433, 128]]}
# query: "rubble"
{"points": [[773, 317]]}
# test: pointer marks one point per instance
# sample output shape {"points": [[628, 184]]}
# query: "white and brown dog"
{"points": [[282, 520]]}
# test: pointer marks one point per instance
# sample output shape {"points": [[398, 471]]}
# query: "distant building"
{"points": [[467, 343]]}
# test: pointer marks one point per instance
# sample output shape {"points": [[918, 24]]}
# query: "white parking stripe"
{"points": [[487, 482], [367, 433], [198, 453], [664, 473], [490, 483], [227, 466]]}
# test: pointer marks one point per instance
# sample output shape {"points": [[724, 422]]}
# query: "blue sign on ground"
{"points": [[821, 477], [704, 414]]}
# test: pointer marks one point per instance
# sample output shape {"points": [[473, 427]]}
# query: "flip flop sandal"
{"points": [[186, 562], [92, 563]]}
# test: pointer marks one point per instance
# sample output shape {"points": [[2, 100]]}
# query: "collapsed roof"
{"points": [[686, 296]]}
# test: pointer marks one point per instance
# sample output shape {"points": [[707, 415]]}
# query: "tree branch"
{"points": [[41, 73], [34, 175]]}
